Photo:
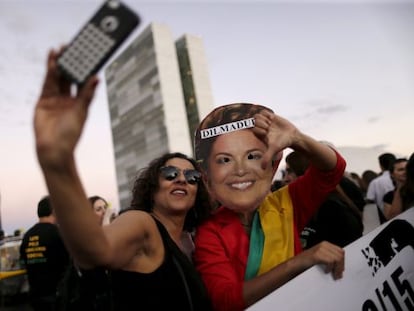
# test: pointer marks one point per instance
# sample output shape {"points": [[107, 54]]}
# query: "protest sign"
{"points": [[378, 276]]}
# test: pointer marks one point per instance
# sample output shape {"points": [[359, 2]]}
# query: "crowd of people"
{"points": [[216, 232]]}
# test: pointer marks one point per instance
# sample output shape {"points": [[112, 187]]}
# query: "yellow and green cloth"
{"points": [[272, 234]]}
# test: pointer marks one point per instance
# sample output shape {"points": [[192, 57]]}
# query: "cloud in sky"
{"points": [[326, 109], [373, 119], [316, 112]]}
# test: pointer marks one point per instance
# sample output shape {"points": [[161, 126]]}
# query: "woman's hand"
{"points": [[325, 253], [276, 132], [59, 116], [328, 254]]}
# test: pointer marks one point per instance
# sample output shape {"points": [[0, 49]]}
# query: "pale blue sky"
{"points": [[342, 71]]}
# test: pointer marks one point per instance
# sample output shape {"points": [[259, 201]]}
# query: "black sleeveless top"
{"points": [[175, 285]]}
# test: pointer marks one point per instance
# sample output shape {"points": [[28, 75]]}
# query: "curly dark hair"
{"points": [[146, 185]]}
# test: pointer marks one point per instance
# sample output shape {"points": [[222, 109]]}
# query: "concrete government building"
{"points": [[158, 91]]}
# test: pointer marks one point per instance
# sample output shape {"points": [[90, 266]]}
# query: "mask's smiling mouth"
{"points": [[241, 185]]}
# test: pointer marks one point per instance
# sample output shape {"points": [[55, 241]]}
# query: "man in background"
{"points": [[382, 184], [339, 218], [45, 258]]}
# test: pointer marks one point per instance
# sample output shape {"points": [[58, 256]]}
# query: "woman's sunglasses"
{"points": [[171, 172]]}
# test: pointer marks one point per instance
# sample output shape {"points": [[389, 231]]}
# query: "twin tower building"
{"points": [[158, 91]]}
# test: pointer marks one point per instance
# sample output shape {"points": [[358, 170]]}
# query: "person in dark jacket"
{"points": [[45, 258]]}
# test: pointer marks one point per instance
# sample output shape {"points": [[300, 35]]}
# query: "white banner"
{"points": [[378, 276]]}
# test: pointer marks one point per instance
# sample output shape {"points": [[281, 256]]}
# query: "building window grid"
{"points": [[151, 140]]}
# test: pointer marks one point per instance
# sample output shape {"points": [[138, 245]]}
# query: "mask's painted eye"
{"points": [[254, 156], [223, 160]]}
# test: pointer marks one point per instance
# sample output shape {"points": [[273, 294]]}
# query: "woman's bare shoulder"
{"points": [[136, 219]]}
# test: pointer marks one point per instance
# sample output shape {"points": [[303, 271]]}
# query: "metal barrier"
{"points": [[13, 279]]}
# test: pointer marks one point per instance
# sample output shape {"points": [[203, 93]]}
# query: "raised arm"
{"points": [[59, 119], [279, 134]]}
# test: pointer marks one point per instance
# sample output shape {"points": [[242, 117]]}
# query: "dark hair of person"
{"points": [[44, 208], [386, 160], [297, 162], [95, 198], [358, 180], [147, 184], [219, 116], [407, 190], [353, 192], [367, 177]]}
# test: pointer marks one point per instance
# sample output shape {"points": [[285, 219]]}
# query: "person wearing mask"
{"points": [[141, 249], [45, 258], [250, 246]]}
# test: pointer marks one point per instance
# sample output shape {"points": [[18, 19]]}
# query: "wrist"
{"points": [[56, 162]]}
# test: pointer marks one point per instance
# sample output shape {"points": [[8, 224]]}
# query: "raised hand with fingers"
{"points": [[60, 115], [276, 132]]}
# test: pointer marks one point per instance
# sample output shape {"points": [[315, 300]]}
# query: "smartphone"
{"points": [[97, 41]]}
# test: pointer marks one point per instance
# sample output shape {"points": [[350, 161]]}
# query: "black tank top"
{"points": [[164, 288]]}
